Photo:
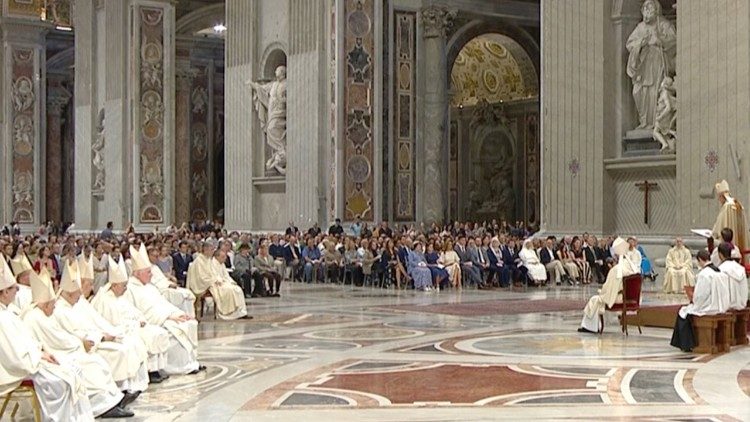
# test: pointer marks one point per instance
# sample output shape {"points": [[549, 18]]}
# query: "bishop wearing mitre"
{"points": [[206, 273], [610, 293], [180, 297], [22, 269], [731, 215], [182, 356], [112, 303], [59, 388], [106, 399], [125, 354]]}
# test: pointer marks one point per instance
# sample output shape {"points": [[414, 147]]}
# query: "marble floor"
{"points": [[337, 353]]}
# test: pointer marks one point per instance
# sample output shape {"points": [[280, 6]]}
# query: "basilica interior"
{"points": [[558, 118]]}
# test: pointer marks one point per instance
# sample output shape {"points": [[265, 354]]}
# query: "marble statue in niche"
{"points": [[652, 48], [270, 104], [665, 124], [97, 157]]}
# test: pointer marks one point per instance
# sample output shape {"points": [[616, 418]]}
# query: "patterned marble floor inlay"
{"points": [[329, 353]]}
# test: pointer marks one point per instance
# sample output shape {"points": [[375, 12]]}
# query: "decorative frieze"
{"points": [[24, 119], [404, 106]]}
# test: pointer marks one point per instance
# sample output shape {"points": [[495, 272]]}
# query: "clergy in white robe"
{"points": [[727, 236], [22, 269], [611, 291], [531, 261], [710, 297], [206, 273], [114, 305], [105, 398], [679, 266], [737, 279], [633, 254], [125, 354], [180, 297], [182, 355], [62, 396]]}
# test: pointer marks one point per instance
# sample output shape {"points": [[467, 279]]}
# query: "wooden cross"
{"points": [[645, 186]]}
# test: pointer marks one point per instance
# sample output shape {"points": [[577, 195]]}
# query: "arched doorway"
{"points": [[494, 139]]}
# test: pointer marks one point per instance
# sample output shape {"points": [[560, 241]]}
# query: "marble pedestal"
{"points": [[640, 142]]}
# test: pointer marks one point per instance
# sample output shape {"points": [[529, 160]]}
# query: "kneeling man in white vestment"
{"points": [[114, 305], [208, 272], [737, 278], [106, 399], [710, 297], [125, 354], [610, 293], [61, 393], [182, 356]]}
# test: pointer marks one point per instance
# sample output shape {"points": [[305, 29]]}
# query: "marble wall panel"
{"points": [[359, 48], [150, 122], [201, 145], [404, 105], [629, 202], [24, 127]]}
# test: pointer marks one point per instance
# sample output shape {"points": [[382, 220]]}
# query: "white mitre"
{"points": [[116, 274], [139, 258], [71, 280], [620, 246], [7, 280], [41, 287], [85, 267], [20, 264]]}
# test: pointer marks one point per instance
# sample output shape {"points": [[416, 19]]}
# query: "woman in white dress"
{"points": [[530, 259], [449, 258]]}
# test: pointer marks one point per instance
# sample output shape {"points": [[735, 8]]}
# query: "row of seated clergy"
{"points": [[209, 273], [96, 375], [711, 297], [611, 291], [59, 388]]}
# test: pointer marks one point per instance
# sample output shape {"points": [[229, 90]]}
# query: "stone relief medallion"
{"points": [[200, 100], [711, 160], [152, 115], [22, 56], [23, 185], [152, 181], [574, 167], [151, 53], [200, 184], [359, 22], [151, 214], [405, 76], [404, 156], [23, 94], [199, 142], [23, 135], [151, 17], [491, 81], [358, 169]]}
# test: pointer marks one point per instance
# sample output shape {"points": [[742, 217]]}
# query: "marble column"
{"points": [[57, 99], [24, 105], [184, 78], [435, 20]]}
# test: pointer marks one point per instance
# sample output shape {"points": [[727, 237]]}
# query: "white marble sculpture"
{"points": [[270, 103], [652, 49], [665, 124], [97, 159]]}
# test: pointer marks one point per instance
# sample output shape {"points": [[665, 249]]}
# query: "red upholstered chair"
{"points": [[27, 386], [745, 258], [631, 302]]}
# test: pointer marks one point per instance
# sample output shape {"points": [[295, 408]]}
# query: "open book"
{"points": [[703, 233]]}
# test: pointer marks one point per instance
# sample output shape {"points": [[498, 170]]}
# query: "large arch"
{"points": [[200, 20]]}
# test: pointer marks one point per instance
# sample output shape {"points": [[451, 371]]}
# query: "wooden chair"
{"points": [[27, 386], [712, 333], [631, 302], [200, 303]]}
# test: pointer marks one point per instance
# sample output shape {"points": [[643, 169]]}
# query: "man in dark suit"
{"points": [[497, 265], [336, 228], [553, 265], [467, 267], [479, 260], [596, 264], [292, 230], [293, 258], [181, 261]]}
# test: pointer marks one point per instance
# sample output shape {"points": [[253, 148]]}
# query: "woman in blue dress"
{"points": [[417, 268], [439, 273], [646, 269]]}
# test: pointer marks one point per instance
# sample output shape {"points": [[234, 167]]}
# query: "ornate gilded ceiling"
{"points": [[494, 68]]}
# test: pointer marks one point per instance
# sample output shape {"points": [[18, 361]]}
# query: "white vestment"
{"points": [[95, 373], [209, 274], [679, 270], [711, 294], [716, 260], [537, 271], [609, 294], [635, 257], [61, 393], [182, 356], [737, 284], [126, 355], [121, 313], [23, 297], [180, 297]]}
